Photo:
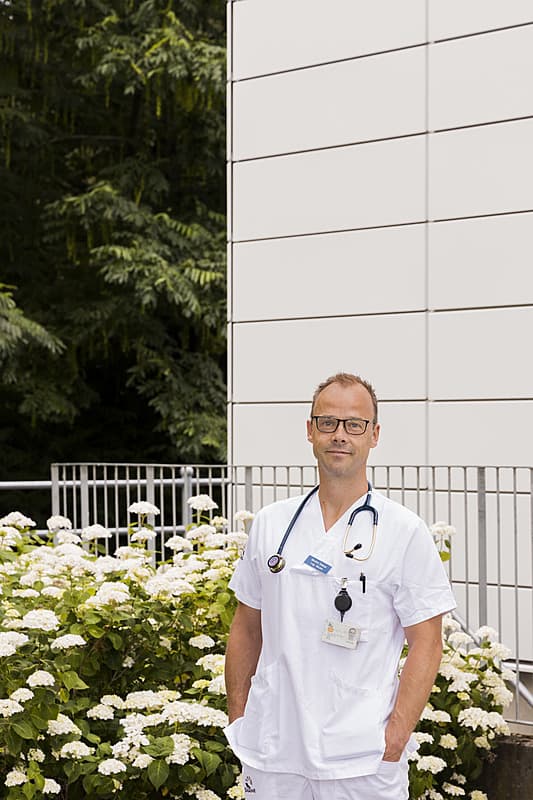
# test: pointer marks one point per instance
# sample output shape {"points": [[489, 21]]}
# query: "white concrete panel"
{"points": [[365, 185], [274, 35], [498, 433], [481, 78], [366, 271], [457, 18], [352, 101], [481, 262], [483, 170], [284, 361], [480, 354], [275, 434]]}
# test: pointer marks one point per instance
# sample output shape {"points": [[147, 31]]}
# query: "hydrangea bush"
{"points": [[112, 668]]}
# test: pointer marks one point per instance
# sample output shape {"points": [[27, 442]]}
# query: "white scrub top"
{"points": [[314, 708]]}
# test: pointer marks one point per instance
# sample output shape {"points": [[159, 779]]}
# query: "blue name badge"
{"points": [[317, 564]]}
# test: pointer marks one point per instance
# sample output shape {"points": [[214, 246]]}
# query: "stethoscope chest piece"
{"points": [[276, 563]]}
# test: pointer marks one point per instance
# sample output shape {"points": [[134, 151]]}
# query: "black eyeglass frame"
{"points": [[344, 421]]}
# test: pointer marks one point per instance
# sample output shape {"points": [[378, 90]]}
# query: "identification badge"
{"points": [[342, 634], [316, 563]]}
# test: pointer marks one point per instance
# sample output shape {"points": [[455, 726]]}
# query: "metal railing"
{"points": [[491, 565]]}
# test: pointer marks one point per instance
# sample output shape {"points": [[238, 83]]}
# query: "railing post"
{"points": [[84, 495], [482, 544], [54, 477], [248, 488], [150, 496], [186, 492]]}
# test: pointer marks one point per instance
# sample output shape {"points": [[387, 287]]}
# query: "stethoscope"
{"points": [[276, 562]]}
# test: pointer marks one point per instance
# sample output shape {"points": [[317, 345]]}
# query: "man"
{"points": [[315, 706]]}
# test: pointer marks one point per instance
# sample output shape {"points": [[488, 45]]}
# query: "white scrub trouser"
{"points": [[389, 783]]}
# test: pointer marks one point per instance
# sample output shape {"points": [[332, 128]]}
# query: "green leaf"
{"points": [[160, 747], [115, 640], [158, 773], [73, 681], [208, 761], [24, 729]]}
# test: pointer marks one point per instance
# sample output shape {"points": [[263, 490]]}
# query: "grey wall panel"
{"points": [[275, 35], [359, 272], [479, 354], [456, 18], [276, 434], [369, 98], [350, 187], [481, 262], [493, 433], [279, 361], [485, 170], [481, 79]]}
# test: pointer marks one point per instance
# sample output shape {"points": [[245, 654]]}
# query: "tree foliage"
{"points": [[112, 307]]}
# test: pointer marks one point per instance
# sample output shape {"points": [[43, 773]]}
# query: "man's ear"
{"points": [[375, 435], [309, 426]]}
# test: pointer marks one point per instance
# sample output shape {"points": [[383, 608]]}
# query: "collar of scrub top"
{"points": [[276, 562]]}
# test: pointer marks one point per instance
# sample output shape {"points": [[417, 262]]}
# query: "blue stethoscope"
{"points": [[276, 562]]}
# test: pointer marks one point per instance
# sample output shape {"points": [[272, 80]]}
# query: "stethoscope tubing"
{"points": [[276, 562]]}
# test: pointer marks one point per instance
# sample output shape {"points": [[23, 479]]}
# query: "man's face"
{"points": [[340, 454]]}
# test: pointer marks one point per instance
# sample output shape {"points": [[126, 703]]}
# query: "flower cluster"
{"points": [[463, 717], [74, 623]]}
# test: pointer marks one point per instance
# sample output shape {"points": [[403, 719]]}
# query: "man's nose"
{"points": [[340, 433]]}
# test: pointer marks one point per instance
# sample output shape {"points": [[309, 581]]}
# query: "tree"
{"points": [[112, 231]]}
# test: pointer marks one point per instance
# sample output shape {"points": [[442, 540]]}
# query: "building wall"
{"points": [[380, 179]]}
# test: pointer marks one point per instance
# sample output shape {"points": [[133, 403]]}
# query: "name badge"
{"points": [[316, 563], [342, 634]]}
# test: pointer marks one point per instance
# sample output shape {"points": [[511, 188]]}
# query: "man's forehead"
{"points": [[338, 394]]}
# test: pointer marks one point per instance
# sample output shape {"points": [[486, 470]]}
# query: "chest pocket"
{"points": [[314, 593]]}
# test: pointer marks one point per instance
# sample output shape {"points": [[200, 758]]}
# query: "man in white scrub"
{"points": [[316, 709]]}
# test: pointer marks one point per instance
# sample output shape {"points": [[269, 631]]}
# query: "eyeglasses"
{"points": [[353, 425]]}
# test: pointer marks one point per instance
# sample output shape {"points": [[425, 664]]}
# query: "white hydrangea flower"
{"points": [[459, 640], [201, 502], [40, 677], [96, 531], [62, 726], [41, 619], [17, 519], [177, 543], [143, 535], [53, 591], [482, 742], [497, 650], [58, 523], [448, 741], [219, 522], [67, 537], [143, 507], [10, 707], [76, 750], [37, 755], [442, 530], [460, 779], [485, 633], [111, 766], [182, 746], [202, 641], [16, 777], [25, 593], [66, 641], [477, 795], [431, 764], [10, 641], [112, 700], [236, 792], [142, 761], [449, 624], [110, 593], [21, 695], [101, 711], [51, 786], [217, 685], [212, 662], [433, 715], [455, 791], [206, 794], [421, 737], [200, 532]]}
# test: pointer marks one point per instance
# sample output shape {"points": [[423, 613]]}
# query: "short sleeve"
{"points": [[422, 589], [246, 579]]}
